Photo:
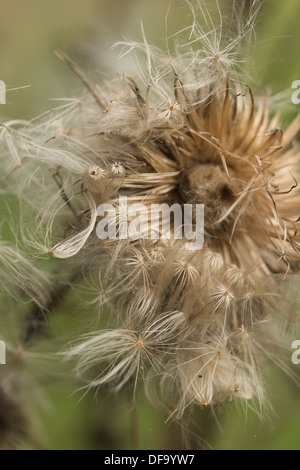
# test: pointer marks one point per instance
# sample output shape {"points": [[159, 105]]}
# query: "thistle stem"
{"points": [[37, 318]]}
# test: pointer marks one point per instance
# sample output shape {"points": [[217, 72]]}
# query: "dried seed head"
{"points": [[117, 169], [208, 184], [93, 178], [187, 131]]}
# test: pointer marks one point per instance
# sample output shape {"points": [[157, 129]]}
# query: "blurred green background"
{"points": [[30, 30]]}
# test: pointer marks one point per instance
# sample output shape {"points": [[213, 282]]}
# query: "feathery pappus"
{"points": [[196, 326]]}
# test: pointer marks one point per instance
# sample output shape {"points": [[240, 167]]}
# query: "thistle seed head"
{"points": [[187, 130]]}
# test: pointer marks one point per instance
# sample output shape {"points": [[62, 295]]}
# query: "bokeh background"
{"points": [[30, 30]]}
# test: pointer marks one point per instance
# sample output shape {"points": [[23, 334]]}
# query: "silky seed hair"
{"points": [[196, 327], [25, 293]]}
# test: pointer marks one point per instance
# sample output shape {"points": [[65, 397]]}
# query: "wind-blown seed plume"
{"points": [[185, 130], [19, 275]]}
